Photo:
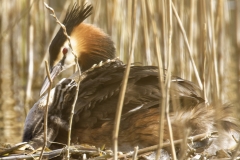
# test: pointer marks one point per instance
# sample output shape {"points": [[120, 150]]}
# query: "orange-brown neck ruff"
{"points": [[91, 45]]}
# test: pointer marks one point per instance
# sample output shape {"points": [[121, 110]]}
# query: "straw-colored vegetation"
{"points": [[212, 38]]}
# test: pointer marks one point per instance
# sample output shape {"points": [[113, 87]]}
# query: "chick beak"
{"points": [[55, 71]]}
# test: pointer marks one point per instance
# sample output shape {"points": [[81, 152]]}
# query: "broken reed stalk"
{"points": [[122, 94], [168, 79], [79, 75], [188, 46], [46, 110], [135, 153]]}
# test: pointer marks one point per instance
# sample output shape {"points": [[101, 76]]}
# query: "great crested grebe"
{"points": [[99, 91]]}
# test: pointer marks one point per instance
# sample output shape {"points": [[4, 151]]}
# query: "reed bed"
{"points": [[206, 30]]}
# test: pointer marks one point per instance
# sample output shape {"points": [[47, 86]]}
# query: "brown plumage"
{"points": [[99, 91], [95, 112]]}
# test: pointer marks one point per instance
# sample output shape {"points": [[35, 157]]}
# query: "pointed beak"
{"points": [[55, 71], [66, 62]]}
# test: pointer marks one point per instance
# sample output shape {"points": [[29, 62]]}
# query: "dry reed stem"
{"points": [[205, 46], [222, 48], [119, 107], [168, 79], [213, 47], [188, 46], [146, 33], [134, 26], [235, 154], [122, 95], [79, 76], [190, 34], [46, 110], [181, 52], [30, 67], [204, 62], [161, 80]]}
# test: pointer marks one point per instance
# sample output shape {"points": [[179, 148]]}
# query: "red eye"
{"points": [[64, 51]]}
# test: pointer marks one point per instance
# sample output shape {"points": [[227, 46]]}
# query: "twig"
{"points": [[46, 110], [79, 71], [71, 116]]}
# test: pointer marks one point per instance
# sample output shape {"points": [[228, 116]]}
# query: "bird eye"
{"points": [[64, 51]]}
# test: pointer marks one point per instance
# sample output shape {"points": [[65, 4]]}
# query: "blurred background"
{"points": [[212, 30]]}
